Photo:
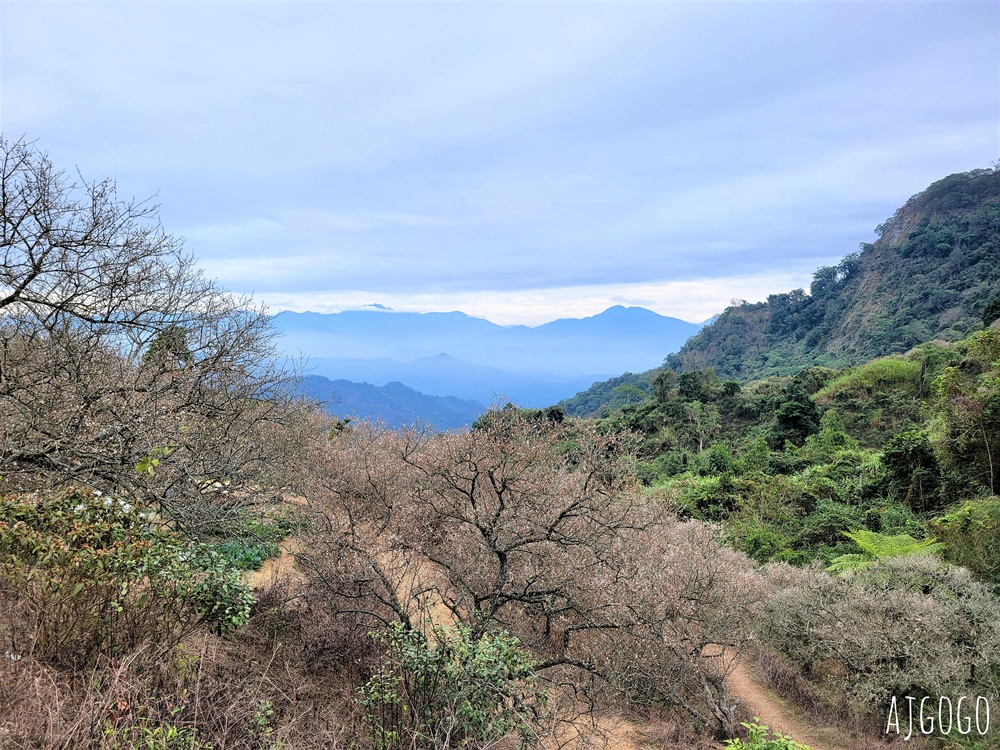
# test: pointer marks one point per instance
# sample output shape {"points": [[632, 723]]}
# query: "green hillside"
{"points": [[931, 275], [869, 496]]}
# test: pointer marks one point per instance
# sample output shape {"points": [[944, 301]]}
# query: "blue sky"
{"points": [[521, 161]]}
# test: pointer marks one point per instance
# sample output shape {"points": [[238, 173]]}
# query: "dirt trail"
{"points": [[420, 587], [274, 568], [782, 716]]}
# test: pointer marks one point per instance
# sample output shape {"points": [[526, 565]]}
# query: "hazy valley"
{"points": [[469, 359]]}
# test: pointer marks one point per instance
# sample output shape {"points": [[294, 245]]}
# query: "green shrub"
{"points": [[248, 539], [760, 739], [471, 692], [149, 736], [85, 575], [246, 553], [972, 535]]}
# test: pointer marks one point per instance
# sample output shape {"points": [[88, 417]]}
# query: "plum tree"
{"points": [[115, 348]]}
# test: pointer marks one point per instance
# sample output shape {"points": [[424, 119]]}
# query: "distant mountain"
{"points": [[443, 375], [454, 354], [394, 403], [620, 338], [930, 275]]}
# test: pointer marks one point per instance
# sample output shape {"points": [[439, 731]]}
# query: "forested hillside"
{"points": [[883, 473], [931, 275]]}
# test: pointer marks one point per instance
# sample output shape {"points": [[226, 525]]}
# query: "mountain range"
{"points": [[456, 355], [393, 403]]}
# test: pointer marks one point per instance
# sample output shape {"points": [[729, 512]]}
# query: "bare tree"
{"points": [[121, 365], [537, 529]]}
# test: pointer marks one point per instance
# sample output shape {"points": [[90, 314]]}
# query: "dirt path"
{"points": [[784, 717], [420, 587], [274, 568]]}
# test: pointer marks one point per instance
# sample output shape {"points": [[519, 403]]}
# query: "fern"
{"points": [[876, 547]]}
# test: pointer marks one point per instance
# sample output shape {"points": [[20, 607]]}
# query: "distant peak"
{"points": [[376, 306], [627, 310]]}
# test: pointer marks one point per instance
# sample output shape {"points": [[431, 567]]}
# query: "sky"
{"points": [[518, 161]]}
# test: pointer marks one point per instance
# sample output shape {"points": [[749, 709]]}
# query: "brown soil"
{"points": [[782, 716]]}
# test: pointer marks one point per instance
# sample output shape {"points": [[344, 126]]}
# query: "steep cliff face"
{"points": [[932, 272]]}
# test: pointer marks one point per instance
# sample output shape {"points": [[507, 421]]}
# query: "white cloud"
{"points": [[480, 152], [693, 301]]}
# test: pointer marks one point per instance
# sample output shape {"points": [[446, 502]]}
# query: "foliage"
{"points": [[147, 735], [876, 547], [796, 419], [602, 395], [903, 626], [760, 738], [85, 575], [971, 531], [247, 540], [964, 425], [912, 470], [246, 553], [991, 312], [451, 690], [879, 374]]}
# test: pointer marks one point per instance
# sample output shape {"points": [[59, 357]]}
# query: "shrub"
{"points": [[759, 739], [876, 376], [86, 575], [470, 692], [972, 535], [903, 626]]}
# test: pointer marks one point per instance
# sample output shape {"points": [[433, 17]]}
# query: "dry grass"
{"points": [[254, 690]]}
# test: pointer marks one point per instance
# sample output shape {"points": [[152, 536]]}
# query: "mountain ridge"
{"points": [[930, 274], [394, 403], [533, 365]]}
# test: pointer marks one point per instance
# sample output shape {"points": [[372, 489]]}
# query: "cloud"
{"points": [[694, 300], [482, 150]]}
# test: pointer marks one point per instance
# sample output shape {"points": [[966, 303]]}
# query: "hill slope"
{"points": [[930, 275], [393, 403]]}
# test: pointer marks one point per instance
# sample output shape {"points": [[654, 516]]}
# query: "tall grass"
{"points": [[879, 375]]}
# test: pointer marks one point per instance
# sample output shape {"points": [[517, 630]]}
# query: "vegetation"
{"points": [[96, 577], [877, 547], [534, 528], [759, 738], [509, 585], [606, 395], [865, 471], [933, 274], [116, 353], [461, 691]]}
